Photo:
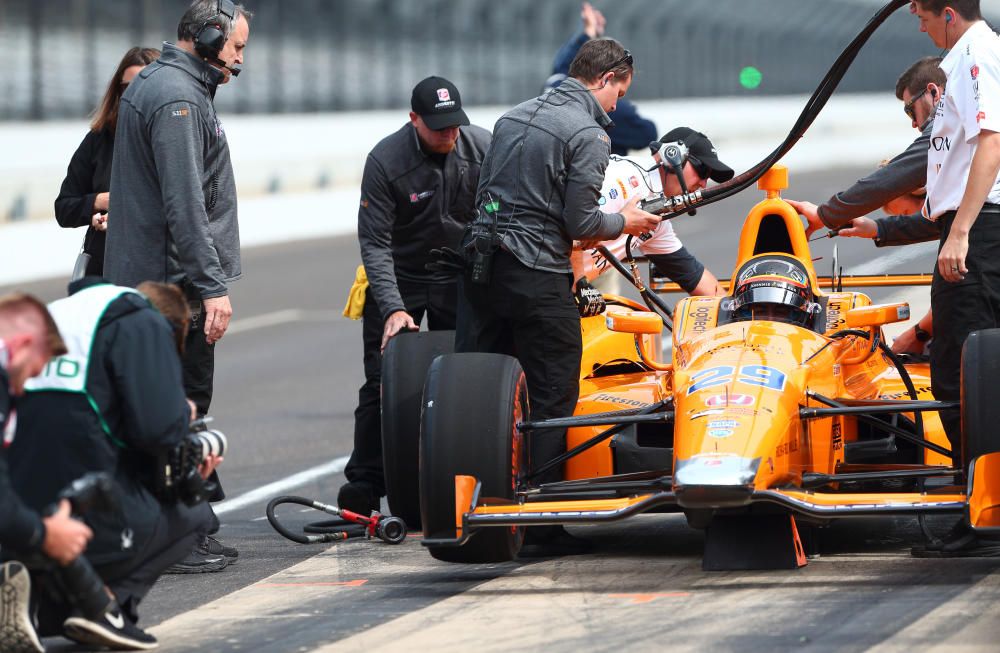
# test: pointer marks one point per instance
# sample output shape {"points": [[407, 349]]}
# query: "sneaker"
{"points": [[214, 547], [113, 630], [358, 497], [199, 561], [17, 635]]}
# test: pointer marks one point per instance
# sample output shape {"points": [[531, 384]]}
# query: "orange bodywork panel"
{"points": [[984, 495]]}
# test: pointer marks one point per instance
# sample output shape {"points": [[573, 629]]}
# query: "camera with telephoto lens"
{"points": [[82, 587], [179, 475]]}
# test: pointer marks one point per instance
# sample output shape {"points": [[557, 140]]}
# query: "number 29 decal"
{"points": [[759, 375]]}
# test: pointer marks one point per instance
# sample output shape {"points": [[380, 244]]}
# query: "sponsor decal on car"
{"points": [[720, 433], [723, 424], [730, 400]]}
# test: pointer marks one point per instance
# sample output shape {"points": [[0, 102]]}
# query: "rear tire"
{"points": [[404, 369], [472, 404], [980, 408]]}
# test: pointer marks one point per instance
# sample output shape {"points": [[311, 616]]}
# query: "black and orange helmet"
{"points": [[771, 286]]}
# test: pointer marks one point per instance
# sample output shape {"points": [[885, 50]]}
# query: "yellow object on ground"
{"points": [[356, 296]]}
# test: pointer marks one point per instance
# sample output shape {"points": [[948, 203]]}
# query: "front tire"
{"points": [[980, 408], [472, 405], [404, 370]]}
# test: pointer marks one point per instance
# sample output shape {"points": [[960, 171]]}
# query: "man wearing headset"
{"points": [[627, 179], [538, 192], [172, 176]]}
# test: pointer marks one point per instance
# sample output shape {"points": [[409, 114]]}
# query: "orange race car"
{"points": [[782, 405]]}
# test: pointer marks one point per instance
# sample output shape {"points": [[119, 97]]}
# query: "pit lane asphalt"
{"points": [[286, 394]]}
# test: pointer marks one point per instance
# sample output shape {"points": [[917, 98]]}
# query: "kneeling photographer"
{"points": [[115, 403]]}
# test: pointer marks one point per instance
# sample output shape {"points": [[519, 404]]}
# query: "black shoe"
{"points": [[550, 541], [17, 634], [113, 630], [199, 561], [359, 497], [214, 547]]}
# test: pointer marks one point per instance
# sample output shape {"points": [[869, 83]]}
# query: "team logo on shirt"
{"points": [[974, 71], [604, 137], [980, 116], [613, 194], [416, 197], [633, 181]]}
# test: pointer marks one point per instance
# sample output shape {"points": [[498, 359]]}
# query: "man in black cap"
{"points": [[417, 194], [627, 179]]}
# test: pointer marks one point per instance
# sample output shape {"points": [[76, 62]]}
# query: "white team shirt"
{"points": [[625, 180], [970, 103]]}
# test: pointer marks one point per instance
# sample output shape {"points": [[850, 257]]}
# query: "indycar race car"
{"points": [[782, 407]]}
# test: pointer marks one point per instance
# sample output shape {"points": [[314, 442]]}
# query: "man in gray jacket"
{"points": [[172, 183], [538, 192]]}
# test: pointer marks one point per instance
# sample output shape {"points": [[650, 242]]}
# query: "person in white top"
{"points": [[963, 191], [627, 181]]}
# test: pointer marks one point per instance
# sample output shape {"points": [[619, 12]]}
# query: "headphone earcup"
{"points": [[209, 41]]}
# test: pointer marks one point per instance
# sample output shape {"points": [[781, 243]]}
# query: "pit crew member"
{"points": [[963, 190], [417, 194], [537, 194], [627, 179]]}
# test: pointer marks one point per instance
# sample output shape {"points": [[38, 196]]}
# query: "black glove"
{"points": [[447, 260], [589, 300]]}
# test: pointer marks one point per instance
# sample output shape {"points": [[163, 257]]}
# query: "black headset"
{"points": [[211, 38]]}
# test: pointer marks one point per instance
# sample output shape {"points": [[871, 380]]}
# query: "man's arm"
{"points": [[376, 218], [982, 176], [142, 360], [178, 141], [904, 174], [581, 214], [21, 529], [896, 230]]}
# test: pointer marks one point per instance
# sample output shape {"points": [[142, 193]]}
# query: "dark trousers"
{"points": [[961, 308], [199, 364], [529, 314], [178, 529], [437, 301]]}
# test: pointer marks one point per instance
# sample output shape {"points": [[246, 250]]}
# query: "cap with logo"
{"points": [[701, 149], [438, 103]]}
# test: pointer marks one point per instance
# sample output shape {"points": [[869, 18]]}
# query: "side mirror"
{"points": [[637, 322], [870, 316]]}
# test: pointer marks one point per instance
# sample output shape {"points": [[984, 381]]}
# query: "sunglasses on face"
{"points": [[908, 107]]}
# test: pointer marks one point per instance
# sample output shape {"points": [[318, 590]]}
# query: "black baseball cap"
{"points": [[438, 102], [702, 149]]}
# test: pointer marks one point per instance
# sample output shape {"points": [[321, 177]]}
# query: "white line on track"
{"points": [[902, 255], [291, 482], [280, 317]]}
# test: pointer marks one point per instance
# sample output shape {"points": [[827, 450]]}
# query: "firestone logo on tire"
{"points": [[730, 400]]}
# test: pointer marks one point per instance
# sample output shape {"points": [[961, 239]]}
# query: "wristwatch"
{"points": [[922, 336]]}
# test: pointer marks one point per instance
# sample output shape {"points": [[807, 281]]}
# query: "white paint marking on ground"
{"points": [[271, 489], [280, 317], [902, 255]]}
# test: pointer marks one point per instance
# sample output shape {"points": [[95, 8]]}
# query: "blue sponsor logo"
{"points": [[720, 433]]}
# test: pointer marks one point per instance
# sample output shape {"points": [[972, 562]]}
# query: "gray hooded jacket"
{"points": [[545, 167], [173, 195]]}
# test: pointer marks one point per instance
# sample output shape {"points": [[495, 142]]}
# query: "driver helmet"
{"points": [[774, 287]]}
